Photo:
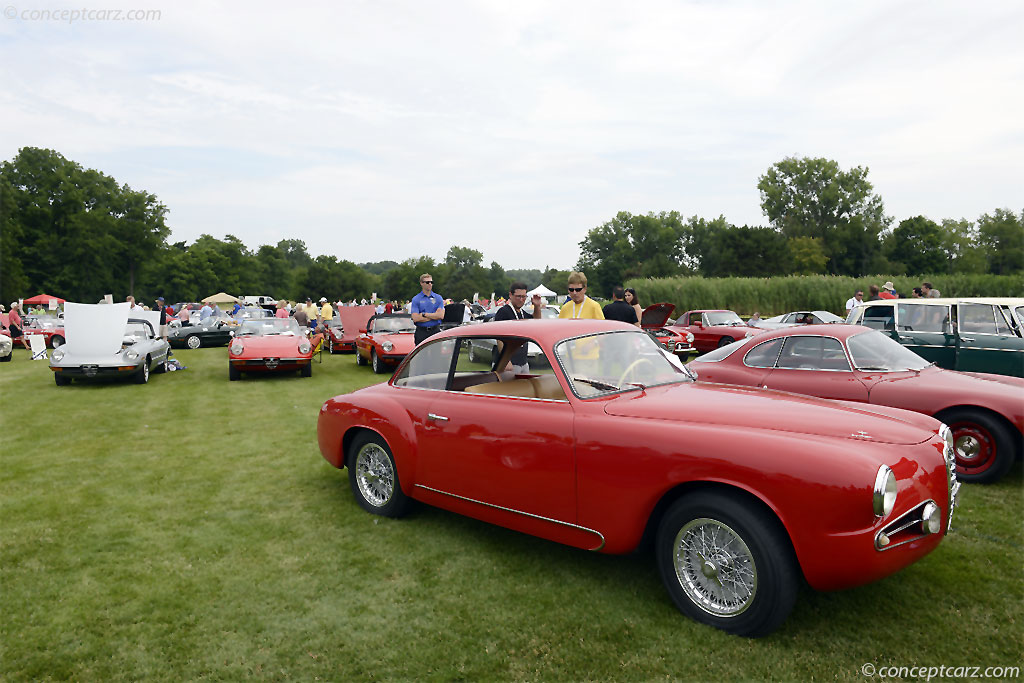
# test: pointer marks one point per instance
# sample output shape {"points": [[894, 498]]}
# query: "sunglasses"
{"points": [[575, 289], [427, 282]]}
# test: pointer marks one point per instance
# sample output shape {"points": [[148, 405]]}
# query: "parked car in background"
{"points": [[985, 412], [141, 352], [654, 320], [254, 313], [798, 318], [6, 347], [712, 328], [267, 302], [975, 335], [51, 328], [265, 345], [745, 493], [346, 326], [214, 331], [385, 341]]}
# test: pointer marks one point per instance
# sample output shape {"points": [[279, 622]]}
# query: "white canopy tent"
{"points": [[542, 290]]}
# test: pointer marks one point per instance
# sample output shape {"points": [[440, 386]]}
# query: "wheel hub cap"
{"points": [[374, 475], [968, 448]]}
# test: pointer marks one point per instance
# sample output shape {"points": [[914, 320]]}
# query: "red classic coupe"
{"points": [[653, 320], [610, 443], [271, 345], [348, 322], [848, 362], [386, 340], [712, 329]]}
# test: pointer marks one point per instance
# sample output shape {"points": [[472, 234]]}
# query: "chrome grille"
{"points": [[953, 486]]}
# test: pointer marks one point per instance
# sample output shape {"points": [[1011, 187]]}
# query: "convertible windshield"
{"points": [[616, 361], [270, 326], [875, 351], [398, 323], [137, 331], [723, 318]]}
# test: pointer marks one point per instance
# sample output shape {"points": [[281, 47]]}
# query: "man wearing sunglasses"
{"points": [[427, 309], [580, 305]]}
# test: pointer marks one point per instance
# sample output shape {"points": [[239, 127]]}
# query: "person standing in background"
{"points": [[427, 309]]}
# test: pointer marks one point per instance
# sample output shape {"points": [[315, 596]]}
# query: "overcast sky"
{"points": [[381, 129]]}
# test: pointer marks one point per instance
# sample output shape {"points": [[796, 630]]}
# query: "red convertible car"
{"points": [[386, 340], [271, 345], [611, 443], [653, 321], [852, 363], [712, 329], [51, 329], [348, 322]]}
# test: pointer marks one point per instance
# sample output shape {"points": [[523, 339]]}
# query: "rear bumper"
{"points": [[95, 370]]}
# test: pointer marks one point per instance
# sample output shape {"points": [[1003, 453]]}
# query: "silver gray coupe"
{"points": [[140, 351]]}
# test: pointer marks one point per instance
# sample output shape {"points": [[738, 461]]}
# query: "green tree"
{"points": [[917, 243], [1001, 236], [815, 198], [808, 256], [745, 252], [960, 242], [631, 245], [464, 274]]}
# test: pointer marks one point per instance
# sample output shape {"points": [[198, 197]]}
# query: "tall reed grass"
{"points": [[775, 295]]}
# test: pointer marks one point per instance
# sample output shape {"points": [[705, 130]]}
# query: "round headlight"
{"points": [[931, 518], [236, 348], [58, 355], [304, 347], [387, 346], [131, 354], [947, 435], [689, 337], [884, 492]]}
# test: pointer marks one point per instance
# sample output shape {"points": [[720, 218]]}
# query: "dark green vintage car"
{"points": [[972, 335]]}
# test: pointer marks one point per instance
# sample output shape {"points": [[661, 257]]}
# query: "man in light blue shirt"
{"points": [[427, 309], [205, 312]]}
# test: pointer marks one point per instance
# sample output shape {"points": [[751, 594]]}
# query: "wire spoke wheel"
{"points": [[715, 567], [375, 475]]}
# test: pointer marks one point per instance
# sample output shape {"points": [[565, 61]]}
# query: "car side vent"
{"points": [[923, 520]]}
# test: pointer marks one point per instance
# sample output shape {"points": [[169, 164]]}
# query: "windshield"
{"points": [[545, 311], [44, 323], [270, 326], [826, 317], [253, 314], [876, 351], [616, 361], [723, 318], [137, 331], [398, 323]]}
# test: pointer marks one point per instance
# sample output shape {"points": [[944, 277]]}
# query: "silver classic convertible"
{"points": [[140, 351]]}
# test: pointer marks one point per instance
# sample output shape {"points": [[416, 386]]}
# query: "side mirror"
{"points": [[231, 333]]}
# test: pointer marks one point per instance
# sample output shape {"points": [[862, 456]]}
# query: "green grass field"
{"points": [[189, 529]]}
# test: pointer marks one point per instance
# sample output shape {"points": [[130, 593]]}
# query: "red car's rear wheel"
{"points": [[982, 444]]}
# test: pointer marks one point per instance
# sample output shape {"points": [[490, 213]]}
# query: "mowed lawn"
{"points": [[189, 529]]}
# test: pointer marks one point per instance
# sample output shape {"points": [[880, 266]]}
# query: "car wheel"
{"points": [[307, 369], [8, 357], [725, 341], [727, 564], [374, 478], [56, 341], [193, 341], [234, 374], [142, 376], [61, 380], [359, 358], [376, 363], [982, 444]]}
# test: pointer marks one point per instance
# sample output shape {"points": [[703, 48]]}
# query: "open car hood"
{"points": [[656, 315], [95, 329], [743, 408]]}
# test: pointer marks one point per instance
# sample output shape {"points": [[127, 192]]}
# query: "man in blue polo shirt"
{"points": [[427, 309]]}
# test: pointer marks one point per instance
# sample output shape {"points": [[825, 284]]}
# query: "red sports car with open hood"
{"points": [[744, 493], [271, 345], [385, 341], [853, 363], [345, 327], [653, 321], [712, 329]]}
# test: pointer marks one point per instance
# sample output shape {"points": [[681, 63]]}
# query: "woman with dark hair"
{"points": [[633, 301]]}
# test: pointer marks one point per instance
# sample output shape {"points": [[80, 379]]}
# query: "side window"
{"points": [[923, 318], [977, 319], [764, 355], [879, 317], [428, 367], [813, 353]]}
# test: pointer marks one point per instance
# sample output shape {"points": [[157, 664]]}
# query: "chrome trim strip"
{"points": [[518, 512], [896, 530]]}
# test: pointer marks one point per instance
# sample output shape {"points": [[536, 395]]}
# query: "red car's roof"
{"points": [[837, 330]]}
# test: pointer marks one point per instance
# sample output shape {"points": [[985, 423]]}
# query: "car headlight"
{"points": [[387, 346], [883, 496], [236, 348], [58, 355], [131, 354], [689, 337], [304, 347], [947, 435]]}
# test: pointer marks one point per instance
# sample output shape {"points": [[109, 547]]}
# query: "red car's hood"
{"points": [[739, 407], [656, 315], [404, 341], [271, 346], [1015, 382]]}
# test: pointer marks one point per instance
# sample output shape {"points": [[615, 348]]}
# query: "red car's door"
{"points": [[816, 366], [503, 451]]}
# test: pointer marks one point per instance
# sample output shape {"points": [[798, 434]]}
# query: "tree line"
{"points": [[77, 233]]}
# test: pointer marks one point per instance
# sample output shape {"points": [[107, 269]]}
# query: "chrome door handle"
{"points": [[968, 339], [904, 337], [439, 418]]}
